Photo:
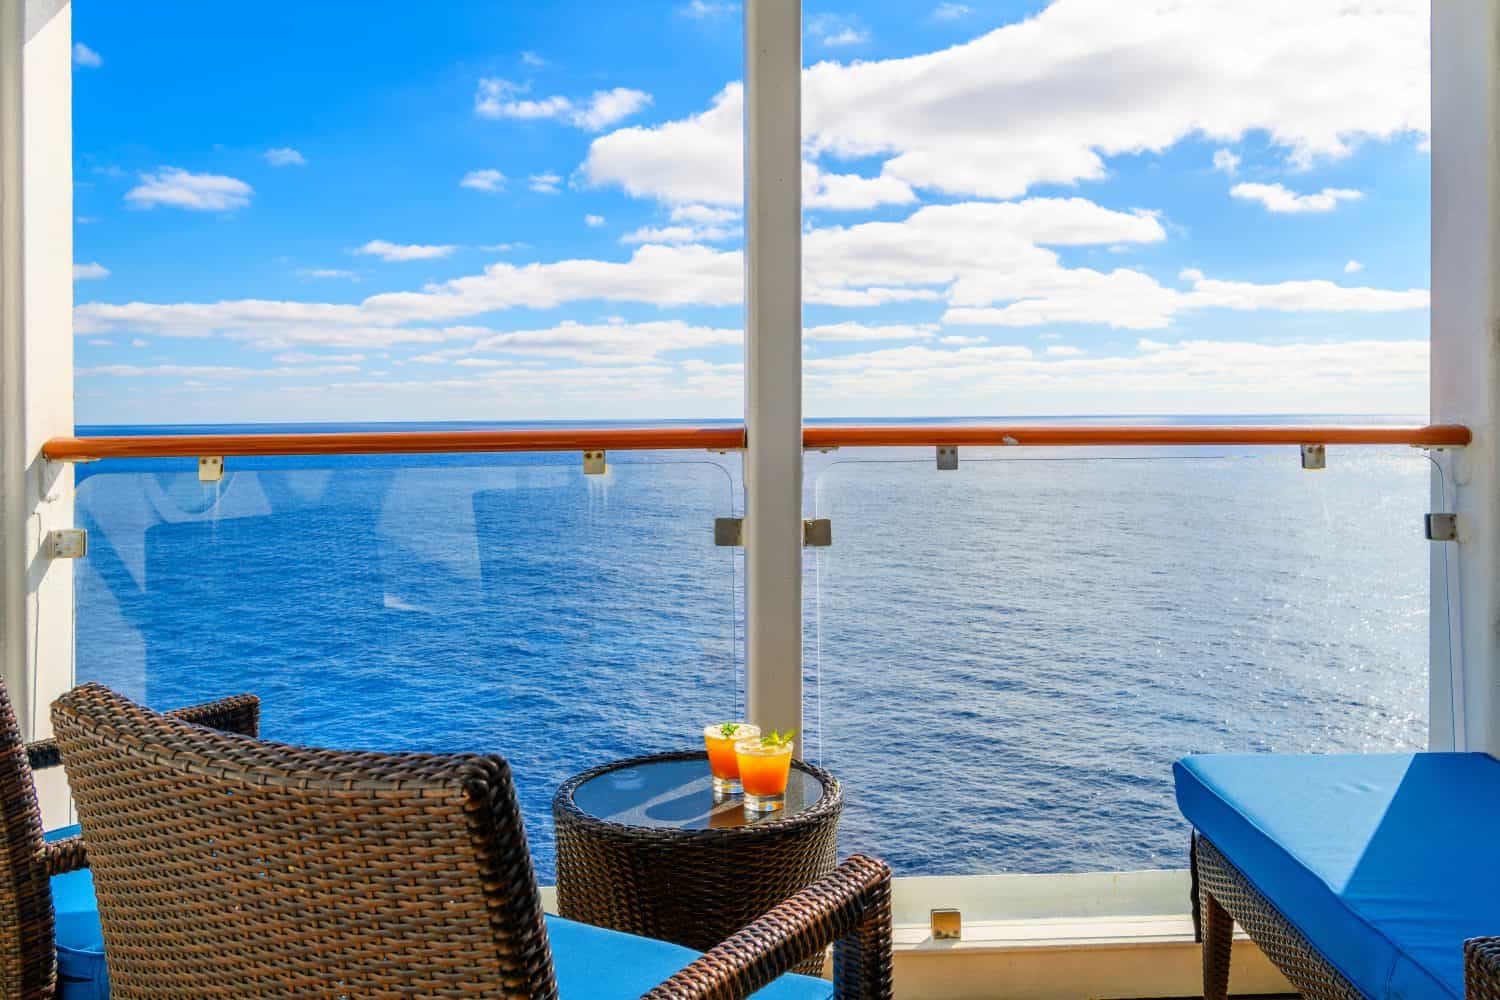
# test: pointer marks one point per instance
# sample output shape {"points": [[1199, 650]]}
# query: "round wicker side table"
{"points": [[643, 847]]}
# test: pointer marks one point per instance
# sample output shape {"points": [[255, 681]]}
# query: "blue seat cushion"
{"points": [[597, 964], [592, 963], [81, 972], [1384, 862]]}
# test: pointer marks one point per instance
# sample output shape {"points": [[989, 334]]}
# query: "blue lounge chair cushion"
{"points": [[1384, 862], [597, 964], [592, 963], [81, 972]]}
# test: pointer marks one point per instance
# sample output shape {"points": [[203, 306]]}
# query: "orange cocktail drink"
{"points": [[719, 739], [765, 765]]}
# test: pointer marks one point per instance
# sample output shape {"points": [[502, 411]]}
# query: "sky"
{"points": [[504, 211]]}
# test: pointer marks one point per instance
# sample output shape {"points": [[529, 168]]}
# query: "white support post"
{"points": [[1465, 674], [36, 357], [773, 362]]}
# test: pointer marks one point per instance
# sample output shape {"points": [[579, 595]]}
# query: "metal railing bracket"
{"points": [[729, 531], [817, 533], [947, 457], [947, 924], [210, 468], [594, 463], [67, 543], [1314, 456], [1442, 527]]}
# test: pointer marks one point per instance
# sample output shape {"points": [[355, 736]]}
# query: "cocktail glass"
{"points": [[765, 765], [720, 739]]}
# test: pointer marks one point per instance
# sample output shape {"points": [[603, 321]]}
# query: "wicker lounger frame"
{"points": [[1223, 896]]}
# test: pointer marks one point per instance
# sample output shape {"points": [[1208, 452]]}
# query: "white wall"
{"points": [[1465, 374], [36, 350]]}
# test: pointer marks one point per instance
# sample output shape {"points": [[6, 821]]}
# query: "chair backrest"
{"points": [[230, 866], [28, 952]]}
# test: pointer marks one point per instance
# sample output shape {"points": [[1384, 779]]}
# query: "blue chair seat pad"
{"points": [[1384, 862]]}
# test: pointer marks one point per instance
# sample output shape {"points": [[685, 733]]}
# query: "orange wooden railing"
{"points": [[718, 438], [1056, 435]]}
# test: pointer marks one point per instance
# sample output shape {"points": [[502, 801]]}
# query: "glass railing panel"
{"points": [[1004, 660], [503, 604]]}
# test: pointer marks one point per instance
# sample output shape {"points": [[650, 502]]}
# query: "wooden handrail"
{"points": [[732, 437], [398, 442], [1062, 435]]}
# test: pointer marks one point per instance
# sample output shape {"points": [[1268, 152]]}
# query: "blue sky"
{"points": [[531, 211]]}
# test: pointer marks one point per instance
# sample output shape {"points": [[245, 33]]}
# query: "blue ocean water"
{"points": [[1001, 662]]}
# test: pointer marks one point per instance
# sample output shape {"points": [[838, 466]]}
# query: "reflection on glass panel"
{"points": [[503, 604], [1008, 657]]}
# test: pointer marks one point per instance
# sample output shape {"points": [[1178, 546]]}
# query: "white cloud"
{"points": [[1353, 267], [529, 58], [951, 11], [1226, 161], [1279, 198], [1194, 375], [1049, 99], [958, 340], [483, 180], [388, 251], [327, 272], [498, 98], [544, 183], [284, 156], [704, 9], [89, 272], [703, 214], [86, 57], [197, 192], [139, 343], [1064, 351], [851, 192], [1190, 274], [681, 234], [212, 371], [610, 343], [836, 30], [593, 221], [862, 331], [303, 358], [1303, 296]]}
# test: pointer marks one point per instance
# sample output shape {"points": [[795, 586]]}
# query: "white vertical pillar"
{"points": [[773, 361], [1465, 372], [36, 354]]}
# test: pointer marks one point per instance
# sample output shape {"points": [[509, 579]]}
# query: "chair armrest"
{"points": [[849, 908], [64, 855], [1482, 968], [236, 714]]}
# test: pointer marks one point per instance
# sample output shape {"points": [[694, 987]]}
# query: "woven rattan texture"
{"points": [[28, 954], [233, 867], [849, 908], [1223, 887], [692, 887]]}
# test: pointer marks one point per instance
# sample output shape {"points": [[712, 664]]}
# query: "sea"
{"points": [[1001, 661]]}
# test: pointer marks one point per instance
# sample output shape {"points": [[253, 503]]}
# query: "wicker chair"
{"points": [[34, 866], [235, 867]]}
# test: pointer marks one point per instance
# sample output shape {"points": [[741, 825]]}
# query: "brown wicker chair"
{"points": [[234, 867], [28, 862]]}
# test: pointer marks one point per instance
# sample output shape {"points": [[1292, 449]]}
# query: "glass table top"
{"points": [[679, 795]]}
